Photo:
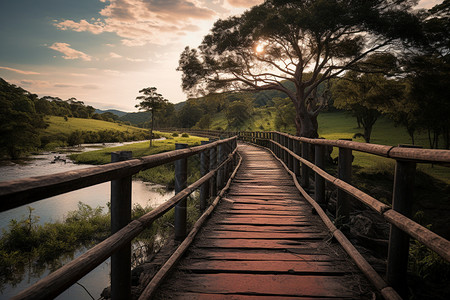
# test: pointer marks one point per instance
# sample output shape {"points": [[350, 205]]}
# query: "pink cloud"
{"points": [[70, 53], [244, 3], [139, 22], [20, 71]]}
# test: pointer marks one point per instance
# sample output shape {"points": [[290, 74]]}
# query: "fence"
{"points": [[296, 153], [217, 159]]}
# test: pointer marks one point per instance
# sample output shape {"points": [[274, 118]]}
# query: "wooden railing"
{"points": [[294, 152], [217, 161]]}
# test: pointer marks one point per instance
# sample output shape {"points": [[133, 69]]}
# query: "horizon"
{"points": [[103, 52]]}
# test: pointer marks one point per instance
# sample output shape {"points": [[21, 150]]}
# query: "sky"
{"points": [[103, 52]]}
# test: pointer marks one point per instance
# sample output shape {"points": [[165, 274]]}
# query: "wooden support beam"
{"points": [[180, 184], [120, 217]]}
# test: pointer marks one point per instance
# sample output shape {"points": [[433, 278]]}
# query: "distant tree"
{"points": [[366, 96], [237, 113], [204, 122], [109, 116], [284, 112], [429, 77], [189, 115], [151, 101], [20, 124], [282, 40]]}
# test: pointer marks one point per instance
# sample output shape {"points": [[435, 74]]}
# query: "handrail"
{"points": [[433, 241], [287, 148], [14, 193]]}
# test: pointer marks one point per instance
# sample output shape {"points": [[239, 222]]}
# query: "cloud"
{"points": [[35, 83], [139, 22], [114, 55], [61, 85], [244, 3], [20, 71], [70, 53]]}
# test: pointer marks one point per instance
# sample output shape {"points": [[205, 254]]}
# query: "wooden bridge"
{"points": [[265, 236]]}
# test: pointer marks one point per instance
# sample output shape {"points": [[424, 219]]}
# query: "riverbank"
{"points": [[164, 174]]}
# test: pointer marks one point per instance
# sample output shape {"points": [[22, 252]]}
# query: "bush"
{"points": [[185, 135], [174, 134]]}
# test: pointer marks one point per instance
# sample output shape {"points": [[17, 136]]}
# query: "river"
{"points": [[55, 208]]}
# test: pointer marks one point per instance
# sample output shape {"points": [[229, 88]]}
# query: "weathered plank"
{"points": [[268, 285], [261, 267]]}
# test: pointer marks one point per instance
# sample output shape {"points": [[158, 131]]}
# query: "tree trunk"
{"points": [[367, 133], [308, 126]]}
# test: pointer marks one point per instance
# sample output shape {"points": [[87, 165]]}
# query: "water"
{"points": [[55, 208]]}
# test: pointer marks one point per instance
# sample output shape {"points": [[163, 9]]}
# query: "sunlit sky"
{"points": [[103, 52]]}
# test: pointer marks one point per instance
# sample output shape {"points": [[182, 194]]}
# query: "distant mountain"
{"points": [[118, 113], [136, 118]]}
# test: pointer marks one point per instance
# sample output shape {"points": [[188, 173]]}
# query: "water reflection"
{"points": [[55, 208]]}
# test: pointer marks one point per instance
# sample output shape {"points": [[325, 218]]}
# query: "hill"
{"points": [[73, 131], [137, 118], [118, 113]]}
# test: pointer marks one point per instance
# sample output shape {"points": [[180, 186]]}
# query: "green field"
{"points": [[57, 125], [103, 156]]}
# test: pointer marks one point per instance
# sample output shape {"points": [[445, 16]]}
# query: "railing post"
{"points": [[180, 184], [344, 174], [402, 201], [120, 217], [204, 169], [212, 166], [285, 153], [305, 169], [319, 181], [290, 157], [296, 149], [221, 171]]}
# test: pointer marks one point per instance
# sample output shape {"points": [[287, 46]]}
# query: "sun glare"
{"points": [[259, 48]]}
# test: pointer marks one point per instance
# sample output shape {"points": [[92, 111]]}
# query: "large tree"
{"points": [[283, 40], [151, 101]]}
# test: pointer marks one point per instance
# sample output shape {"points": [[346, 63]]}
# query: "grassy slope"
{"points": [[58, 125]]}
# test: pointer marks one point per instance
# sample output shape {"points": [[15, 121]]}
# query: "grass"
{"points": [[163, 174], [57, 125]]}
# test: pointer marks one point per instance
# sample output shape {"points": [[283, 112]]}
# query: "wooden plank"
{"points": [[265, 212], [265, 228], [265, 235], [261, 267], [261, 255], [208, 296], [310, 247], [266, 221], [273, 285], [265, 207]]}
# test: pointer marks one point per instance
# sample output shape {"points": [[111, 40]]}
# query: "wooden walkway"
{"points": [[264, 242]]}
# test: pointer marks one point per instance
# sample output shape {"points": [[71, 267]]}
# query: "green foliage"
{"points": [[284, 113], [20, 123], [237, 113], [366, 96], [25, 241], [175, 134], [279, 41], [185, 135]]}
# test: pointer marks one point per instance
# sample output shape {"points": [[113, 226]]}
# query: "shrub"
{"points": [[174, 134], [185, 135]]}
